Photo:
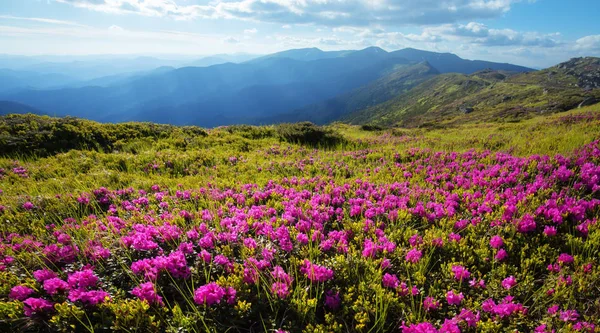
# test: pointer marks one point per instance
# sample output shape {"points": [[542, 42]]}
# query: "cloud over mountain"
{"points": [[321, 12]]}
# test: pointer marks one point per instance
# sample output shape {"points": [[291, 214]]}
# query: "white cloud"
{"points": [[322, 12], [116, 28], [41, 20], [252, 31], [588, 43], [480, 34], [231, 40]]}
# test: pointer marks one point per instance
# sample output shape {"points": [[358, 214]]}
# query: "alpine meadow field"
{"points": [[136, 227]]}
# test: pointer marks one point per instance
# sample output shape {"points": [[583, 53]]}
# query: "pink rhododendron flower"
{"points": [[460, 272], [315, 272], [147, 292], [550, 231], [55, 285], [454, 298], [209, 294], [419, 328], [501, 255], [430, 304], [390, 281], [564, 259], [496, 242], [43, 275], [82, 279], [569, 315], [509, 282], [20, 292], [33, 306], [414, 256], [332, 300], [90, 298], [280, 289]]}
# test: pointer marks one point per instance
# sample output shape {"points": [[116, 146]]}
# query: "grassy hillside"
{"points": [[451, 99], [300, 228]]}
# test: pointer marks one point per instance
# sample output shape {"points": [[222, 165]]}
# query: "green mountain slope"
{"points": [[489, 95], [400, 79]]}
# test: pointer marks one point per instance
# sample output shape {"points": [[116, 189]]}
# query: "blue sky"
{"points": [[534, 33]]}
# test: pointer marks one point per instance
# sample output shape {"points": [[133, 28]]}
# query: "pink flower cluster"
{"points": [[315, 272], [212, 293]]}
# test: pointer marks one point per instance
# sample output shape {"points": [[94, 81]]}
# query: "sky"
{"points": [[535, 33]]}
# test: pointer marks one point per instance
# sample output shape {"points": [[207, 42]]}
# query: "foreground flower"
{"points": [[209, 294], [55, 285], [315, 272], [390, 281], [83, 279], [43, 275], [569, 315], [496, 242], [430, 304], [332, 300], [147, 292], [565, 259], [454, 298], [460, 272], [414, 256], [419, 328], [20, 292], [509, 282], [280, 289], [91, 298], [33, 306]]}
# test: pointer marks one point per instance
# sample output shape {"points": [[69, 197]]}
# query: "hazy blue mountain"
{"points": [[451, 63], [89, 67], [304, 84], [221, 59], [7, 107], [399, 81], [263, 103], [12, 80], [306, 54], [275, 85]]}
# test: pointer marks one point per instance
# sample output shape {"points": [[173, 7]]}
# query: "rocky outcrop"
{"points": [[588, 101], [586, 70], [465, 109]]}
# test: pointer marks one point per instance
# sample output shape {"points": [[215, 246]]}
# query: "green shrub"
{"points": [[309, 134], [251, 132], [371, 128], [43, 136]]}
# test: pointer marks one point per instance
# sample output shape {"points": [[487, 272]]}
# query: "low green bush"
{"points": [[309, 134]]}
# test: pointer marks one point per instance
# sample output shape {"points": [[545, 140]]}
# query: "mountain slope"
{"points": [[399, 81], [221, 59], [11, 80], [489, 95], [273, 103], [306, 54], [305, 84], [451, 63], [7, 107], [229, 90]]}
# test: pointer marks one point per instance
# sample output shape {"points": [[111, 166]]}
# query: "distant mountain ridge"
{"points": [[8, 107], [488, 95], [293, 85], [451, 63]]}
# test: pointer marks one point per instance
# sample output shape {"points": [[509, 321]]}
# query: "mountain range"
{"points": [[407, 87]]}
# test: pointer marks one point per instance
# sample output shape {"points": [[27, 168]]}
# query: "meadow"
{"points": [[480, 227]]}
